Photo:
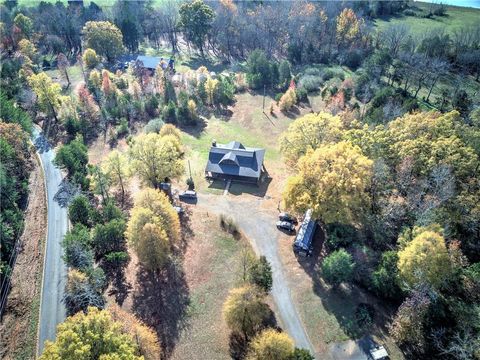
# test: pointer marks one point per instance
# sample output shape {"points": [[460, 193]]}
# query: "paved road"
{"points": [[258, 226], [52, 309]]}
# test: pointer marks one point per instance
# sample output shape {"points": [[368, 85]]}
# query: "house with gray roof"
{"points": [[151, 62], [235, 162]]}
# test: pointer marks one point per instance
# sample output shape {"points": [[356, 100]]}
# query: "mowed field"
{"points": [[247, 123], [456, 18]]}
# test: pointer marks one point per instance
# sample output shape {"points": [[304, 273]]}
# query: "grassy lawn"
{"points": [[329, 314], [75, 75], [212, 268], [457, 17], [247, 124]]}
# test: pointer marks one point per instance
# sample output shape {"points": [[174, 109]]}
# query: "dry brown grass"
{"points": [[18, 329]]}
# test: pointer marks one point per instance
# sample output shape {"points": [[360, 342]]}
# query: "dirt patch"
{"points": [[19, 326]]}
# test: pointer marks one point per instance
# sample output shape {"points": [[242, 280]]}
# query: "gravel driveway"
{"points": [[259, 226]]}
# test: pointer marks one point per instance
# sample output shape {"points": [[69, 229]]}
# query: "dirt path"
{"points": [[259, 227], [18, 330]]}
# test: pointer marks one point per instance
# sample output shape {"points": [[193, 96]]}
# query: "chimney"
{"points": [[214, 143]]}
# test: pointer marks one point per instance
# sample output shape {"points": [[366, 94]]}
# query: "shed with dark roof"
{"points": [[151, 62], [233, 161], [303, 241]]}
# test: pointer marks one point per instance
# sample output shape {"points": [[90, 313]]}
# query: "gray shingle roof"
{"points": [[149, 62], [235, 159]]}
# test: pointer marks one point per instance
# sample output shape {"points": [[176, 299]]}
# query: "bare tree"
{"points": [[169, 19], [421, 69], [393, 38], [437, 69]]}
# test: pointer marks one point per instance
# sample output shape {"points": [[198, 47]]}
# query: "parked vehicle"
{"points": [[287, 217], [306, 231], [188, 195], [285, 225]]}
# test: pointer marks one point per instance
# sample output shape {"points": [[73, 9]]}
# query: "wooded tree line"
{"points": [[226, 28], [15, 167], [399, 204], [431, 67], [305, 32]]}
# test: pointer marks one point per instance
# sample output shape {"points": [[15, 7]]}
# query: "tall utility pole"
{"points": [[189, 169]]}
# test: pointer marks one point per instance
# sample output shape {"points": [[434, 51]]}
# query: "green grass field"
{"points": [[456, 18]]}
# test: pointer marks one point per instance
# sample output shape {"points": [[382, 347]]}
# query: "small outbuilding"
{"points": [[151, 62], [303, 241], [235, 162]]}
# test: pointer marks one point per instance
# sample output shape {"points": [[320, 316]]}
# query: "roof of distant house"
{"points": [[149, 62], [236, 160]]}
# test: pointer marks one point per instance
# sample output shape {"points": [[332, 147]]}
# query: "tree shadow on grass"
{"points": [[238, 344], [195, 130], [196, 61], [186, 232], [120, 287], [161, 301], [293, 113]]}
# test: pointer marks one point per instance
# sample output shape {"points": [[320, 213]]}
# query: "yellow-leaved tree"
{"points": [[169, 129], [210, 86], [308, 133], [245, 310], [94, 335], [117, 170], [90, 58], [27, 48], [48, 94], [153, 228], [431, 139], [271, 345], [156, 158], [145, 338], [348, 26], [288, 100], [424, 258], [332, 181]]}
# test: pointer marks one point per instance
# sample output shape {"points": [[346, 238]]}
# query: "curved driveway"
{"points": [[52, 309], [259, 227]]}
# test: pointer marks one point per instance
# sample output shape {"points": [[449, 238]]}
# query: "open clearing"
{"points": [[456, 18], [187, 313], [247, 124], [18, 329]]}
